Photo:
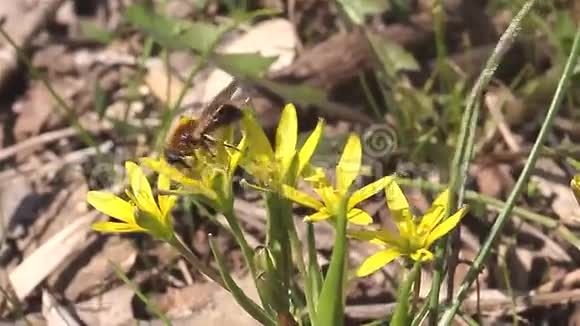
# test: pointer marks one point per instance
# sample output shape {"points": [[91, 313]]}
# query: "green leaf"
{"points": [[96, 33], [246, 16], [392, 56], [248, 65], [173, 33], [202, 36], [100, 101], [357, 10]]}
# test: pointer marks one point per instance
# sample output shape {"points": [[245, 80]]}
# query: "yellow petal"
{"points": [[193, 186], [374, 262], [368, 191], [141, 189], [397, 203], [362, 235], [349, 164], [442, 199], [225, 137], [286, 136], [116, 227], [300, 197], [166, 202], [381, 237], [431, 218], [236, 156], [315, 176], [446, 226], [318, 216], [111, 205], [359, 217], [310, 146], [434, 215], [328, 196], [259, 147]]}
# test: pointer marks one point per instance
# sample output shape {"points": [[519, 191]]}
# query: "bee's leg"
{"points": [[212, 139], [205, 146]]}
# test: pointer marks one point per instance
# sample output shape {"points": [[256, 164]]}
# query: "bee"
{"points": [[195, 133]]}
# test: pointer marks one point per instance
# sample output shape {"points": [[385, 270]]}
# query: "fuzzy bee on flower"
{"points": [[195, 133]]}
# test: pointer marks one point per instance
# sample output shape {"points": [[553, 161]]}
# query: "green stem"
{"points": [[309, 286], [401, 315], [330, 305], [178, 244], [439, 29], [314, 270], [465, 145], [278, 240], [241, 298], [247, 252], [420, 315], [150, 304], [520, 184], [369, 95]]}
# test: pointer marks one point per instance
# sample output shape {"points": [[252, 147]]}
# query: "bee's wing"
{"points": [[208, 114], [223, 109]]}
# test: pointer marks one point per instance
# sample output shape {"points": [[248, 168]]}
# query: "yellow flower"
{"points": [[346, 171], [141, 213], [414, 238], [282, 165], [210, 174], [575, 184]]}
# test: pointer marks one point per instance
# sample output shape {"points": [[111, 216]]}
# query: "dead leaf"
{"points": [[112, 308], [56, 314], [282, 41], [493, 179], [222, 309], [49, 256], [165, 87], [181, 302], [33, 112], [564, 204], [15, 203], [90, 276]]}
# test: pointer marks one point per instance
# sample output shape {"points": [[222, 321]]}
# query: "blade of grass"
{"points": [[150, 304], [241, 298], [370, 98], [465, 145], [401, 316], [16, 304], [520, 184], [178, 245], [310, 275]]}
